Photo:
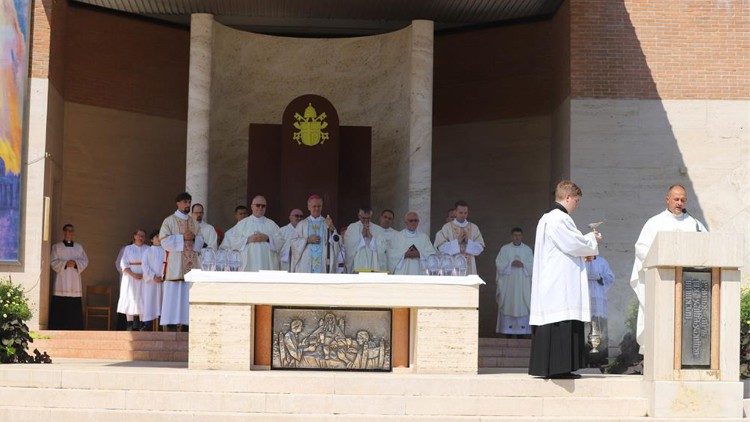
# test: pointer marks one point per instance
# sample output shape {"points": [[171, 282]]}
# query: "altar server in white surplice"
{"points": [[514, 264], [153, 278], [206, 231], [287, 233], [181, 241], [68, 260], [132, 280], [409, 246], [559, 289], [257, 238], [674, 219], [461, 237], [315, 240], [364, 244]]}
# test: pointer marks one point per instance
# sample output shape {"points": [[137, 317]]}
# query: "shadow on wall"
{"points": [[623, 149]]}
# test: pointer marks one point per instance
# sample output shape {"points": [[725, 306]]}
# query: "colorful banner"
{"points": [[14, 79]]}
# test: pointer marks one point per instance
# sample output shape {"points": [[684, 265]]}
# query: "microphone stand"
{"points": [[697, 226]]}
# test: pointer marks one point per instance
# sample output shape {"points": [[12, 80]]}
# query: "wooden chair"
{"points": [[101, 294]]}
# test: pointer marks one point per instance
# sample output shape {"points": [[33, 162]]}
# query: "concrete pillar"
{"points": [[420, 125], [199, 108]]}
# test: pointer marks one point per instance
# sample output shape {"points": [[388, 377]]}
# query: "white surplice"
{"points": [[151, 293], [256, 255], [209, 235], [513, 293], [129, 302], [559, 287], [601, 278], [364, 254], [68, 280], [446, 241], [312, 258], [665, 221], [401, 243], [387, 237]]}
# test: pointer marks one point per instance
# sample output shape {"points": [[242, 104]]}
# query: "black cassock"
{"points": [[557, 348]]}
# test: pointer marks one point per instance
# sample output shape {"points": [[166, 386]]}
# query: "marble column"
{"points": [[199, 108], [420, 125]]}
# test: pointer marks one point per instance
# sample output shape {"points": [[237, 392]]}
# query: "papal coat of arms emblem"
{"points": [[310, 127]]}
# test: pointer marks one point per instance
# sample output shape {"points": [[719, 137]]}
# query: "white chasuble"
{"points": [[662, 222], [559, 287], [447, 241], [256, 255], [313, 257], [513, 293], [364, 254], [401, 243], [68, 280]]}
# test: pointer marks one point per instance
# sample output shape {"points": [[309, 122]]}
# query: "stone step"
{"points": [[275, 403], [504, 342], [504, 352], [503, 362], [77, 415], [119, 345]]}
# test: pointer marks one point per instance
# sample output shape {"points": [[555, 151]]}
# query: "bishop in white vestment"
{"points": [[409, 247], [68, 260], [315, 245], [181, 241], [514, 265], [364, 244], [461, 237], [674, 218], [559, 290], [257, 238]]}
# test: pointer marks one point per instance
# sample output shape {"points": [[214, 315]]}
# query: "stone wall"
{"points": [[380, 81]]}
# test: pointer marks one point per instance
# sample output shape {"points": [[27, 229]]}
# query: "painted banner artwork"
{"points": [[14, 65]]}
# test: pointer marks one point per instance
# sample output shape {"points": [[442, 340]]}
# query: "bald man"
{"points": [[409, 246], [674, 218], [257, 238], [315, 245]]}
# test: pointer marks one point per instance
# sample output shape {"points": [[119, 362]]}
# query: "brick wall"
{"points": [[126, 63], [41, 16], [669, 49], [494, 73]]}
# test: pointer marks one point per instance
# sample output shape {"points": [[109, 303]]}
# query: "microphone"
{"points": [[697, 226]]}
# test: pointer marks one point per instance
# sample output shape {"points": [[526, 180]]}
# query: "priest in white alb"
{"points": [[315, 245], [287, 233], [559, 289], [674, 218], [514, 264], [257, 238], [363, 242], [386, 223], [180, 239], [409, 246], [68, 260], [460, 236], [207, 231]]}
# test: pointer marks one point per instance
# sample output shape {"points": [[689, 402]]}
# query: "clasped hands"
{"points": [[257, 238], [70, 264], [517, 264], [412, 252]]}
